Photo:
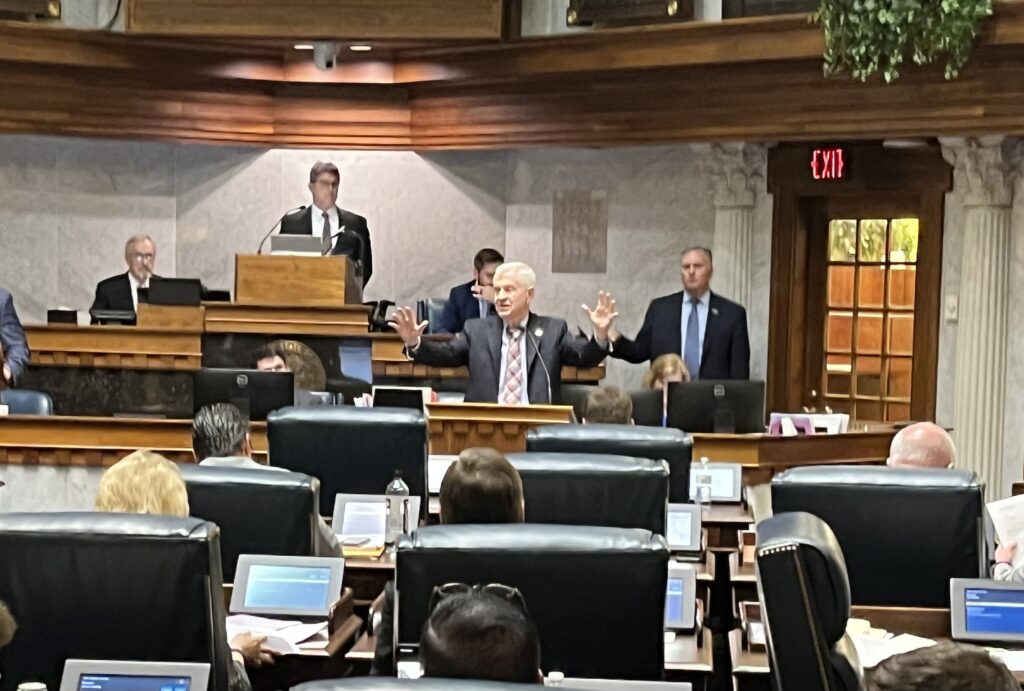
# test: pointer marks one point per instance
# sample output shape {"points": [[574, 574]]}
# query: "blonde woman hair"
{"points": [[143, 482], [665, 366]]}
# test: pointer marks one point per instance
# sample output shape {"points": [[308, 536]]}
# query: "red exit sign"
{"points": [[828, 164]]}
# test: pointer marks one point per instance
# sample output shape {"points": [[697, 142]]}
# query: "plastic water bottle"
{"points": [[397, 501], [702, 495]]}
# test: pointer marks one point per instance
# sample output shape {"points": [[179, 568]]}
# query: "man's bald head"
{"points": [[922, 445]]}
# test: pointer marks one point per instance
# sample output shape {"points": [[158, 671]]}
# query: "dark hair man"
{"points": [[474, 299], [481, 486], [942, 667], [271, 357], [342, 232], [479, 635]]}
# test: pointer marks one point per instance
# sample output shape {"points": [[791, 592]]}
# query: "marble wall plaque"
{"points": [[579, 233]]}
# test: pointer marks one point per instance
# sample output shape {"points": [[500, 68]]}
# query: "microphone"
{"points": [[547, 375], [274, 227]]}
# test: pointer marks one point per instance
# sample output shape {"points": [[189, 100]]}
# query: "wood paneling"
{"points": [[114, 347], [309, 19], [99, 441], [350, 320], [749, 79]]}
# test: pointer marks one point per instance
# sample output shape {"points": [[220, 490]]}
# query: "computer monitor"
{"points": [[253, 392], [185, 292], [682, 529], [729, 406], [415, 397], [361, 519], [649, 407], [286, 586], [986, 611], [121, 675]]}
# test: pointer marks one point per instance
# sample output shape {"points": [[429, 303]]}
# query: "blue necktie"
{"points": [[691, 351]]}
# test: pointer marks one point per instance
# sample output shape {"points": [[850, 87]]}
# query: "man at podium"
{"points": [[514, 357], [341, 231]]}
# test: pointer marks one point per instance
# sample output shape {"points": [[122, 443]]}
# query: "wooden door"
{"points": [[856, 280]]}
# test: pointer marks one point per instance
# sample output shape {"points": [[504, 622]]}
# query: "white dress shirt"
{"points": [[135, 285], [318, 224]]}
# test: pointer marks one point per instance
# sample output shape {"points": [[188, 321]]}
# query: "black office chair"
{"points": [[658, 443], [110, 586], [26, 402], [351, 450], [576, 396], [597, 595], [905, 531], [258, 511], [805, 604], [431, 309], [593, 489], [422, 684]]}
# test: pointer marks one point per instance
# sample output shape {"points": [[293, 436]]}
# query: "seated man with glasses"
{"points": [[121, 292], [480, 632], [481, 486]]}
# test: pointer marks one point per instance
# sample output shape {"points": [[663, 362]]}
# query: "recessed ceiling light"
{"points": [[360, 48], [303, 46]]}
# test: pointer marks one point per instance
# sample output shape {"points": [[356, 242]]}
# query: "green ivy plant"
{"points": [[864, 37]]}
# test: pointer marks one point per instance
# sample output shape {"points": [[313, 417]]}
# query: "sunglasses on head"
{"points": [[505, 592]]}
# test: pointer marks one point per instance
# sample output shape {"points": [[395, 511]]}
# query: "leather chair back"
{"points": [[597, 595], [110, 586], [671, 445], [258, 511], [352, 450], [905, 531], [593, 489], [26, 402], [431, 309], [805, 604]]}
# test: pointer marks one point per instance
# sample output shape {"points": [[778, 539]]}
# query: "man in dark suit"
{"points": [[514, 356], [474, 299], [121, 292], [342, 232], [12, 339], [708, 331]]}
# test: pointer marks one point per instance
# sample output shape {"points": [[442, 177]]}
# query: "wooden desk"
{"points": [[99, 441], [115, 347], [762, 455], [346, 320], [751, 671], [389, 360], [723, 523], [457, 426]]}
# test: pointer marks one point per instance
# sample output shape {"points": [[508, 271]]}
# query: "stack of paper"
{"points": [[1008, 521], [872, 651], [283, 636]]}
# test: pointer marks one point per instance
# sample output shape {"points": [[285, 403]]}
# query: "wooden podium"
{"points": [[456, 426], [296, 281]]}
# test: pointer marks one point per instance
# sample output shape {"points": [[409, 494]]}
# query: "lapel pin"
{"points": [[538, 332], [714, 311]]}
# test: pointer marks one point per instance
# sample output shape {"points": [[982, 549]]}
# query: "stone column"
{"points": [[983, 180], [736, 171]]}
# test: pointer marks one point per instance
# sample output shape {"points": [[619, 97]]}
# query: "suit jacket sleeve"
{"points": [[367, 252], [450, 315], [384, 654], [12, 337], [454, 353], [639, 349], [577, 352], [740, 349]]}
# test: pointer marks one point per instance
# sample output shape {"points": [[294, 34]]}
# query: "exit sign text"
{"points": [[827, 164]]}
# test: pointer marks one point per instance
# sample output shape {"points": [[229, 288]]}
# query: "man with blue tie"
{"points": [[709, 331], [474, 299]]}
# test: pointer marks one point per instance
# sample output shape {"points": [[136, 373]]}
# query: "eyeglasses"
{"points": [[505, 592]]}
